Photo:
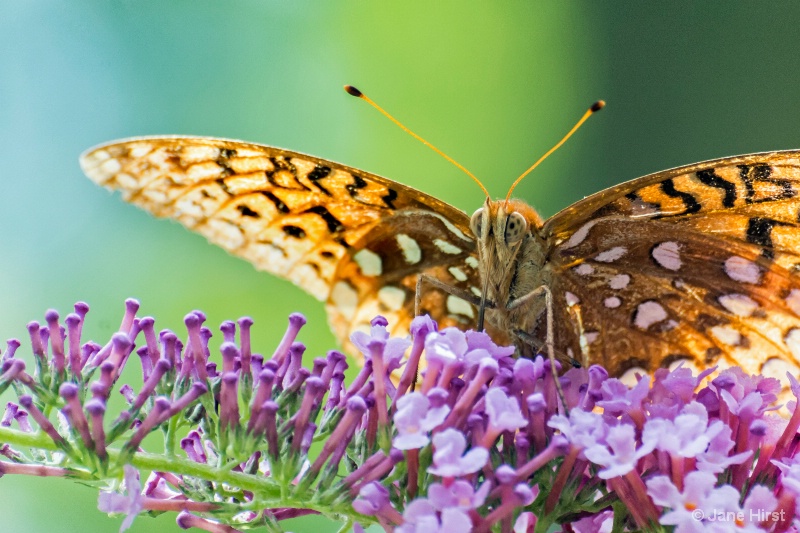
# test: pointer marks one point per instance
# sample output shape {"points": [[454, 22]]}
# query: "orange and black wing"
{"points": [[350, 238], [698, 263]]}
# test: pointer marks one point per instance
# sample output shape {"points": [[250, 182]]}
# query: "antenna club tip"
{"points": [[352, 91], [597, 106]]}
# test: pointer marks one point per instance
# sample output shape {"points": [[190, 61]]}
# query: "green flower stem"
{"points": [[269, 492]]}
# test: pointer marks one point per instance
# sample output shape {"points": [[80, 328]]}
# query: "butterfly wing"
{"points": [[697, 263], [351, 239]]}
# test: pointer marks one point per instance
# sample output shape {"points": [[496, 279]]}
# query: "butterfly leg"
{"points": [[550, 335], [548, 300], [449, 289]]}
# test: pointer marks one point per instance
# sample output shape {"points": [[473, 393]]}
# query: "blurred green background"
{"points": [[492, 84]]}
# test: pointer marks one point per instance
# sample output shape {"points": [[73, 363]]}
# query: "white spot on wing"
{"points": [[369, 262], [140, 150], [793, 301], [591, 336], [471, 261], [685, 363], [584, 269], [457, 273], [738, 304], [110, 166], [629, 378], [612, 302], [392, 297], [649, 313], [609, 256], [580, 235], [304, 275], [792, 340], [620, 281], [667, 255], [446, 247], [411, 251], [457, 306], [476, 291], [777, 368], [345, 298], [222, 232], [449, 225], [571, 299], [741, 269], [727, 335]]}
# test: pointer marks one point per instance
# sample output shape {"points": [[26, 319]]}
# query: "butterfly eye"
{"points": [[515, 228], [476, 222]]}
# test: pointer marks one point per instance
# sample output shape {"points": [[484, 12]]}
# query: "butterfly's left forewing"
{"points": [[352, 239], [697, 263]]}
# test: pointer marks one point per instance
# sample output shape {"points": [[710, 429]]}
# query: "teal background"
{"points": [[492, 84]]}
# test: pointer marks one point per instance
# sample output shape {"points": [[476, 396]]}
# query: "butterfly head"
{"points": [[501, 229]]}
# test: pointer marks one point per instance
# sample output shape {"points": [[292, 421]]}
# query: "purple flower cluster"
{"points": [[445, 431]]}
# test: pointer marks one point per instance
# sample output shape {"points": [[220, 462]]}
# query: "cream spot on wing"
{"points": [[411, 250], [307, 277], [609, 256], [222, 232], [140, 150], [741, 269], [738, 304], [369, 262], [648, 313], [612, 302], [630, 377], [620, 281], [345, 298], [200, 172], [110, 166], [457, 273], [457, 306], [580, 235], [269, 255], [667, 255], [727, 335], [777, 368], [127, 183], [392, 297], [472, 261], [792, 340], [793, 301], [194, 154], [97, 156], [584, 269], [476, 291], [684, 363], [446, 247], [591, 336], [449, 225], [571, 299]]}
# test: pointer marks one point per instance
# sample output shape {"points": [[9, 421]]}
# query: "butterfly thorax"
{"points": [[512, 258]]}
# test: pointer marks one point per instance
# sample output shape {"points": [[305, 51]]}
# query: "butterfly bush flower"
{"points": [[415, 417], [442, 431]]}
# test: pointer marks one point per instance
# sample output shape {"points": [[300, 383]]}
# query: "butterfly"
{"points": [[697, 264]]}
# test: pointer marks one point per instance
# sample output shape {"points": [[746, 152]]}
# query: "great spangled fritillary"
{"points": [[699, 262]]}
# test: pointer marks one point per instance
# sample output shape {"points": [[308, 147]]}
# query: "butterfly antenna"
{"points": [[597, 106], [358, 94]]}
